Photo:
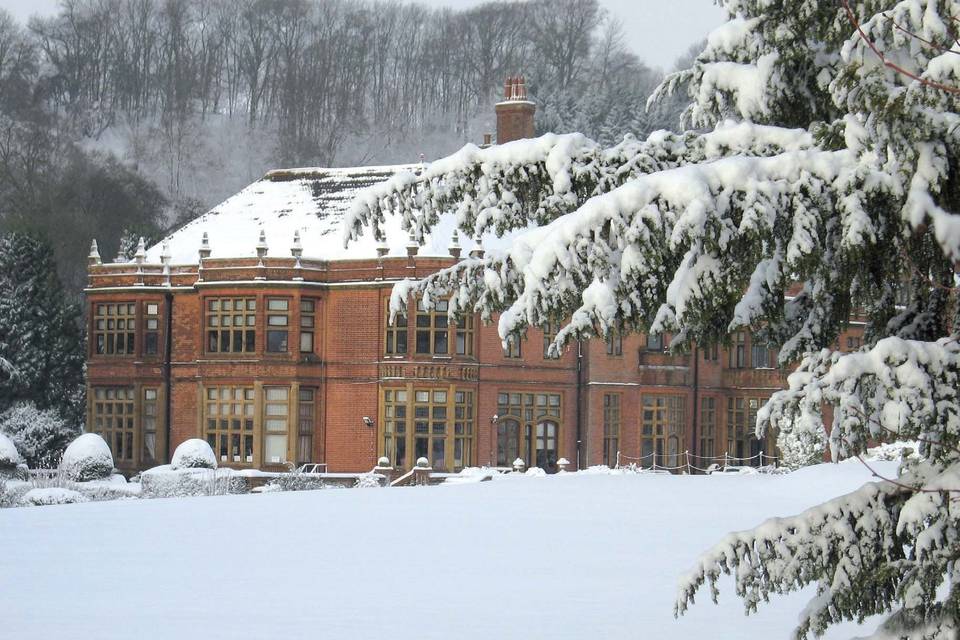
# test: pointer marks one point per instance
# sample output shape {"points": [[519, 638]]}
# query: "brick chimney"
{"points": [[515, 112]]}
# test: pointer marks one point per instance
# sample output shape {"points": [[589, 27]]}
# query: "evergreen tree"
{"points": [[40, 435], [39, 334], [830, 163]]}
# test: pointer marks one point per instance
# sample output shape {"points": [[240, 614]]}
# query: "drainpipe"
{"points": [[696, 397], [579, 399], [167, 374]]}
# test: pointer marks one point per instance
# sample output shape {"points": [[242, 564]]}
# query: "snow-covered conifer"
{"points": [[40, 337], [827, 172], [41, 435]]}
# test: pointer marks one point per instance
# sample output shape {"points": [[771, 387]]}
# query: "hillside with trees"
{"points": [[121, 118]]}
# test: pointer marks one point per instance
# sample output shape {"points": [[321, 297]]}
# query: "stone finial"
{"points": [[423, 463], [296, 249], [94, 257], [455, 245], [382, 248], [262, 244], [205, 246], [412, 245], [165, 252], [141, 253], [563, 463], [477, 252], [518, 465]]}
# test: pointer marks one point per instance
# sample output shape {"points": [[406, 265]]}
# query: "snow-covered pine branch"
{"points": [[827, 175]]}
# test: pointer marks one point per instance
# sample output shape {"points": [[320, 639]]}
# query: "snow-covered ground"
{"points": [[572, 556]]}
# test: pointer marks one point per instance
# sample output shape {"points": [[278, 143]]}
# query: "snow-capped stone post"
{"points": [[296, 250], [262, 249], [519, 465], [140, 257], [382, 249], [165, 261], [413, 247], [204, 254], [562, 464], [94, 258], [384, 468], [421, 472], [455, 248], [477, 252]]}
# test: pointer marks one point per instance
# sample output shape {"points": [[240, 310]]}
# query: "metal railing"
{"points": [[694, 463]]}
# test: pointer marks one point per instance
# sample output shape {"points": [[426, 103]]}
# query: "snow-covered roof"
{"points": [[314, 202]]}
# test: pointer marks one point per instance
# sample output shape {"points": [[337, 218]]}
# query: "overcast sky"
{"points": [[658, 30]]}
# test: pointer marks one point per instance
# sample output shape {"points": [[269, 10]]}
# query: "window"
{"points": [[512, 350], [528, 428], [308, 323], [432, 327], [853, 343], [661, 430], [437, 424], [654, 342], [462, 429], [395, 426], [743, 447], [430, 426], [760, 356], [306, 414], [151, 328], [465, 335], [231, 325], [114, 328], [611, 428], [549, 335], [278, 321], [708, 427], [114, 419], [397, 335], [229, 418], [614, 344], [738, 350], [276, 424], [711, 353], [150, 413]]}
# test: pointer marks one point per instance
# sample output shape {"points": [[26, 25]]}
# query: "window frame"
{"points": [[106, 337], [307, 325], [247, 401], [440, 417], [612, 423], [247, 335], [273, 330], [529, 409]]}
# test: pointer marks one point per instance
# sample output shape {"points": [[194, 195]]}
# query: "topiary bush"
{"points": [[193, 454], [87, 458]]}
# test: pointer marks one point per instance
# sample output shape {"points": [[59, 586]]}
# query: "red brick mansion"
{"points": [[253, 328]]}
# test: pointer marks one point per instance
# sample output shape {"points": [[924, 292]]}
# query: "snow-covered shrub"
{"points": [[194, 454], [11, 492], [166, 482], [299, 482], [368, 481], [10, 458], [87, 458], [41, 435], [801, 445], [894, 451], [52, 495]]}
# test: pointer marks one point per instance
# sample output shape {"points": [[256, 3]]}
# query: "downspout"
{"points": [[696, 397], [167, 374], [579, 400]]}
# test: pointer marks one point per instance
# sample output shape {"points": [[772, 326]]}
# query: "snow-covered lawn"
{"points": [[574, 556]]}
